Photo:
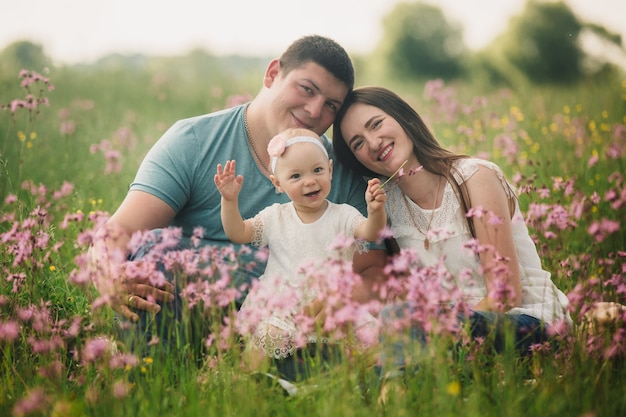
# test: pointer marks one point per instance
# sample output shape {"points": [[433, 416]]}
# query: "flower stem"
{"points": [[393, 175]]}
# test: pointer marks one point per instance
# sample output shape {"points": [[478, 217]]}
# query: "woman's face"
{"points": [[376, 139]]}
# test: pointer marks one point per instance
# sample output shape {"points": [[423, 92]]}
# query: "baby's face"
{"points": [[304, 173]]}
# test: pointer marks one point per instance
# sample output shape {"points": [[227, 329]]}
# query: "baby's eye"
{"points": [[295, 176]]}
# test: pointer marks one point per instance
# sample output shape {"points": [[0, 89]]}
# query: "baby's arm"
{"points": [[375, 196], [229, 185]]}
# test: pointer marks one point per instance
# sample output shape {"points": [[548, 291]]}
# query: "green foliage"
{"points": [[418, 41], [543, 43], [23, 54]]}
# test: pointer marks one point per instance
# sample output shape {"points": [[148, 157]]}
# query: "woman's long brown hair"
{"points": [[433, 157]]}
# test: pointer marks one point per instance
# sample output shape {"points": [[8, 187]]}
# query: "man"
{"points": [[173, 187]]}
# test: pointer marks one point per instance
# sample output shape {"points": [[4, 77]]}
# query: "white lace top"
{"points": [[449, 231], [284, 289]]}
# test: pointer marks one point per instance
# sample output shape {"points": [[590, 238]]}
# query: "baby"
{"points": [[296, 232]]}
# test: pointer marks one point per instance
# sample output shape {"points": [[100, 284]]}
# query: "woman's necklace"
{"points": [[432, 215], [251, 142]]}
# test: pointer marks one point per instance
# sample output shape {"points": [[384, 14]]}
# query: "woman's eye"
{"points": [[356, 146]]}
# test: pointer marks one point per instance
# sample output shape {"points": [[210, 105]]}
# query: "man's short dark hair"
{"points": [[324, 52]]}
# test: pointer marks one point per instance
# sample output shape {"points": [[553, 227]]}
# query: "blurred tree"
{"points": [[543, 43], [22, 55], [418, 41], [546, 44]]}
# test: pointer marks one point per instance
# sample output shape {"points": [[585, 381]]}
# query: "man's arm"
{"points": [[138, 211], [369, 265]]}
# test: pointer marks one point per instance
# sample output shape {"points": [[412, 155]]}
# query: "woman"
{"points": [[375, 134]]}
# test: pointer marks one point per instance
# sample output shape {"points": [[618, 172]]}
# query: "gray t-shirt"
{"points": [[180, 167]]}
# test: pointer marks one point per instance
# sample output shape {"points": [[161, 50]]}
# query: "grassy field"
{"points": [[66, 163]]}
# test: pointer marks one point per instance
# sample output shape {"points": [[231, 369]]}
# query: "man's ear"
{"points": [[276, 183], [272, 72]]}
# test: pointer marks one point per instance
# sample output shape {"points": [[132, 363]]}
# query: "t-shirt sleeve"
{"points": [[164, 171]]}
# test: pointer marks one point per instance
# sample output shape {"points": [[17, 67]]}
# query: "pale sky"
{"points": [[84, 30]]}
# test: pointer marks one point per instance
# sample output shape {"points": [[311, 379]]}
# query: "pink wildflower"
{"points": [[9, 331], [95, 348], [121, 389], [35, 401], [11, 198], [68, 127]]}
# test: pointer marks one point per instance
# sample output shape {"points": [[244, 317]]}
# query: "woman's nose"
{"points": [[374, 143]]}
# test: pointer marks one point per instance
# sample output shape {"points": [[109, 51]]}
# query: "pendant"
{"points": [[426, 244]]}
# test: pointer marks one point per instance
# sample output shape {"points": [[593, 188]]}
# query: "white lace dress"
{"points": [[449, 231], [285, 287]]}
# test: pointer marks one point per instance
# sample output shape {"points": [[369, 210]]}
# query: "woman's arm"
{"points": [[494, 232]]}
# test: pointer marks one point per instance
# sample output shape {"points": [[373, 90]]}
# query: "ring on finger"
{"points": [[130, 300]]}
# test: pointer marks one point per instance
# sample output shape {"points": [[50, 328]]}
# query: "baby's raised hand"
{"points": [[226, 180], [375, 195]]}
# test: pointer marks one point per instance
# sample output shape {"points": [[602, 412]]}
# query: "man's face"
{"points": [[307, 97]]}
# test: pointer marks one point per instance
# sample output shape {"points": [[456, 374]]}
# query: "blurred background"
{"points": [[503, 40]]}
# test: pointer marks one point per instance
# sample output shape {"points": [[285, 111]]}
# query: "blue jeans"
{"points": [[400, 349], [169, 324]]}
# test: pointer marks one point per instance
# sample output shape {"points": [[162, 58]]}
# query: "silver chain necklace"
{"points": [[251, 142]]}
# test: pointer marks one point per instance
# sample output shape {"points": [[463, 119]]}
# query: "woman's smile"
{"points": [[382, 155]]}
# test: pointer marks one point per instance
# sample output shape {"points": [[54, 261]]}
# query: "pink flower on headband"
{"points": [[277, 145]]}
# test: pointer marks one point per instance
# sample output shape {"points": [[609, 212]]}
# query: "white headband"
{"points": [[278, 144]]}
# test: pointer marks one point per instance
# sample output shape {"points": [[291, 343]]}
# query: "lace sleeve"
{"points": [[465, 168], [360, 245], [257, 239]]}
